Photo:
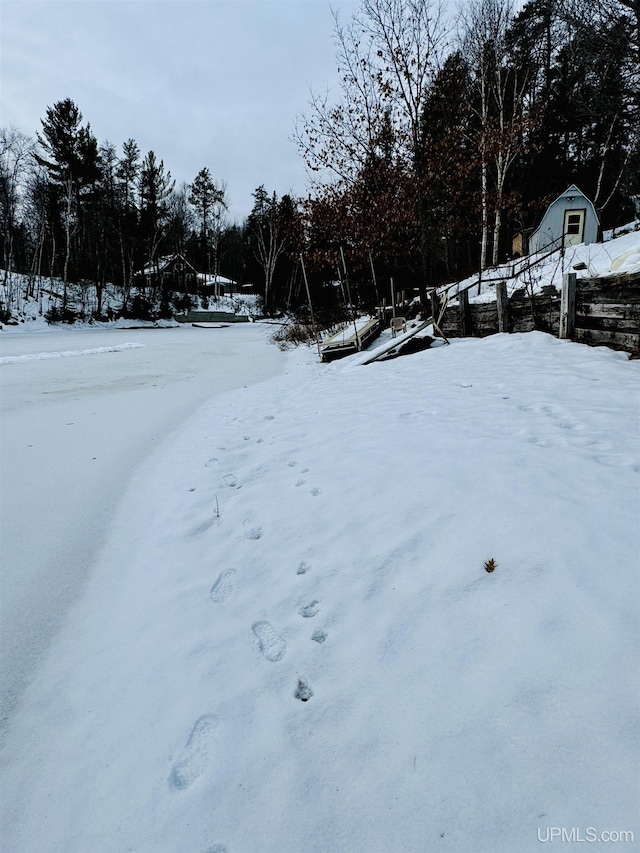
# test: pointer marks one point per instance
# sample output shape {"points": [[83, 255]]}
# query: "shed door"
{"points": [[573, 227]]}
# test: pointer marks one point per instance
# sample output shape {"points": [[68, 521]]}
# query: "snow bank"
{"points": [[40, 356], [291, 643]]}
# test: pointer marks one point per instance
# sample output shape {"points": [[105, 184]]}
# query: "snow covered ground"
{"points": [[289, 641], [79, 410]]}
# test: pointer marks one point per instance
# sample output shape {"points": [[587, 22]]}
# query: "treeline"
{"points": [[441, 148], [437, 151], [80, 211]]}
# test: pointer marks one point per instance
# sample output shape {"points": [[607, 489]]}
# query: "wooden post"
{"points": [[435, 304], [313, 320], [463, 308], [568, 306], [373, 275], [502, 302], [393, 300], [436, 311]]}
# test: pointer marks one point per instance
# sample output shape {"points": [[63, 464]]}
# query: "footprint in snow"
{"points": [[300, 483], [303, 691], [197, 753], [615, 460], [211, 462], [231, 480], [318, 636], [561, 419], [594, 444], [272, 646], [315, 492], [223, 587], [303, 568], [310, 610], [540, 441], [252, 530], [217, 848]]}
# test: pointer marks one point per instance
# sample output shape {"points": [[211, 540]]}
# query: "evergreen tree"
{"points": [[70, 156], [127, 177], [209, 203], [155, 187]]}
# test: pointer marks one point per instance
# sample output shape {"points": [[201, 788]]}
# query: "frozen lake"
{"points": [[80, 410]]}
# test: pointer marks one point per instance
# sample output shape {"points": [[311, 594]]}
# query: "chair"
{"points": [[398, 324]]}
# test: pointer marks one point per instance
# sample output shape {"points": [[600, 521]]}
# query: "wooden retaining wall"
{"points": [[606, 311]]}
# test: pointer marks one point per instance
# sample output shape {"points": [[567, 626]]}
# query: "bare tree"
{"points": [[387, 58], [267, 235], [16, 162], [500, 94]]}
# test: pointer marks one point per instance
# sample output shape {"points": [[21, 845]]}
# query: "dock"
{"points": [[351, 339], [202, 316]]}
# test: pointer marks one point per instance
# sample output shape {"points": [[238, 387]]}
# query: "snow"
{"points": [[288, 640], [73, 431], [40, 356]]}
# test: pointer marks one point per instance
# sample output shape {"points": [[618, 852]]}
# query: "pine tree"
{"points": [[155, 187], [72, 162], [209, 203], [127, 174]]}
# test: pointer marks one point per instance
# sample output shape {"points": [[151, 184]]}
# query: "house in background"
{"points": [[570, 219], [172, 272], [217, 285]]}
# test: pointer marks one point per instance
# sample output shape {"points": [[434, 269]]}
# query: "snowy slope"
{"points": [[615, 256], [324, 533]]}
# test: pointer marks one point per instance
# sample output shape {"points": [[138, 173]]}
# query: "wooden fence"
{"points": [[596, 311]]}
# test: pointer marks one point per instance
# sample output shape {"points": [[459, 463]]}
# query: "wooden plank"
{"points": [[396, 343], [613, 310], [622, 280], [621, 340], [608, 324]]}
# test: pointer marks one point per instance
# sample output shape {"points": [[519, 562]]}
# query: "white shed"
{"points": [[569, 220]]}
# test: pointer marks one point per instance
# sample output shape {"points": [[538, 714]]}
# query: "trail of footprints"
{"points": [[598, 446], [197, 753]]}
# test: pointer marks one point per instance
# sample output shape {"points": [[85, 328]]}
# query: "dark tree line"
{"points": [[439, 149], [80, 212]]}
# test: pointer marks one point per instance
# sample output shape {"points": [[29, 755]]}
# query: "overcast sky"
{"points": [[214, 83]]}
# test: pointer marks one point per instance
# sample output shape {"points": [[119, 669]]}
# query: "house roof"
{"points": [[211, 278], [571, 192], [161, 264]]}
